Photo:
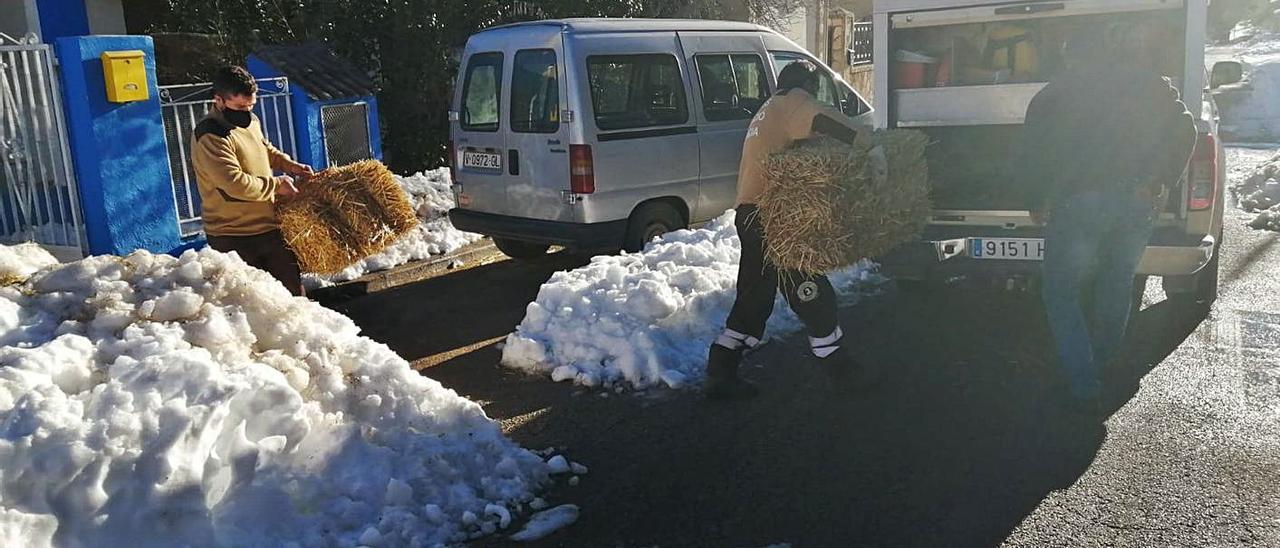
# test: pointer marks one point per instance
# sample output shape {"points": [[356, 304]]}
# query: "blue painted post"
{"points": [[59, 18], [118, 149]]}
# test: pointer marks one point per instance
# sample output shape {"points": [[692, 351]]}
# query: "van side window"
{"points": [[480, 105], [633, 91], [733, 86], [535, 92]]}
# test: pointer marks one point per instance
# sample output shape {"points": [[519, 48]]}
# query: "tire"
{"points": [[1203, 285], [519, 250], [649, 221]]}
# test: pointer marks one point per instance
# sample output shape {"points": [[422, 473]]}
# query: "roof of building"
{"points": [[318, 71], [589, 25]]}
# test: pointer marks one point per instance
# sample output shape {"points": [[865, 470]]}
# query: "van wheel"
{"points": [[648, 222], [1199, 290], [519, 250]]}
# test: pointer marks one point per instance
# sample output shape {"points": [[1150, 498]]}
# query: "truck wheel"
{"points": [[648, 222], [519, 250], [1200, 289]]}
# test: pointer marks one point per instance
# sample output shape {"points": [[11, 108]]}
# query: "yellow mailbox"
{"points": [[126, 76]]}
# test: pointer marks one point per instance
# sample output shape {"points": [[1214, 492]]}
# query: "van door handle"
{"points": [[1029, 8], [513, 162]]}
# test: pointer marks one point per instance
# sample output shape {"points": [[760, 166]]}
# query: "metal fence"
{"points": [[346, 133], [38, 200], [183, 106], [861, 47]]}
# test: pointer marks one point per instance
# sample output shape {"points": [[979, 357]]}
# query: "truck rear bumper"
{"points": [[574, 235], [1168, 254]]}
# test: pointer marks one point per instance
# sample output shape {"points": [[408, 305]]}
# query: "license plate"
{"points": [[1015, 249], [482, 160]]}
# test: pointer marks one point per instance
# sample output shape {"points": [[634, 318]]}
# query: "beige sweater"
{"points": [[234, 173], [782, 120]]}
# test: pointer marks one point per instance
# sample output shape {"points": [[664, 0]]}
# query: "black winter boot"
{"points": [[723, 383]]}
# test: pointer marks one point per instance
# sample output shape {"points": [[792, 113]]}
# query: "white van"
{"points": [[604, 133]]}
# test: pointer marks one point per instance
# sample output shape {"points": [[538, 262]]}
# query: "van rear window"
{"points": [[635, 91], [535, 92], [480, 104]]}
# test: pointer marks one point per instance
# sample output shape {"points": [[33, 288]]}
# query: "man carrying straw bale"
{"points": [[792, 114], [1101, 178], [234, 166]]}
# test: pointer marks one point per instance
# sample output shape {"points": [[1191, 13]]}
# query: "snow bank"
{"points": [[19, 262], [435, 235], [645, 319], [1258, 191], [153, 401]]}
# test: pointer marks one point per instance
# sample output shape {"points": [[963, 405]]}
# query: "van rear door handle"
{"points": [[513, 161]]}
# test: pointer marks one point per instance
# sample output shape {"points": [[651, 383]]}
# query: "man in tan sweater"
{"points": [[234, 167], [792, 114]]}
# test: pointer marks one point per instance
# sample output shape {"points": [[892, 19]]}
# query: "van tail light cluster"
{"points": [[582, 170], [1202, 177], [453, 163]]}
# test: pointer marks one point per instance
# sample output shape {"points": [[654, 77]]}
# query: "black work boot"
{"points": [[723, 383]]}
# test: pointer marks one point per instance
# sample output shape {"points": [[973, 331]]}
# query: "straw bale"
{"points": [[343, 215], [828, 204]]}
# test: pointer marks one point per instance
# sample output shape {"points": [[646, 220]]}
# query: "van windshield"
{"points": [[480, 105]]}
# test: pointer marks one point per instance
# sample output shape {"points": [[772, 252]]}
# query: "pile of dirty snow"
{"points": [[157, 401], [646, 319], [432, 198], [1259, 192]]}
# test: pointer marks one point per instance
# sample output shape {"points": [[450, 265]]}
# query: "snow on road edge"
{"points": [[646, 319]]}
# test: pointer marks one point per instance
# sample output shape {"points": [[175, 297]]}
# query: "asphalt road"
{"points": [[961, 447]]}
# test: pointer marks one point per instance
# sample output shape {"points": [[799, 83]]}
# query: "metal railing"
{"points": [[184, 105], [861, 47], [38, 198]]}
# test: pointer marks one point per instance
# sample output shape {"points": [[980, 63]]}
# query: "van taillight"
{"points": [[582, 170], [1202, 177], [453, 164]]}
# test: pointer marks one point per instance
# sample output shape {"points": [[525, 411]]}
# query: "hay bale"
{"points": [[343, 215], [825, 207]]}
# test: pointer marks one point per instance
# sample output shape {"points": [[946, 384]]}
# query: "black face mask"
{"points": [[238, 118]]}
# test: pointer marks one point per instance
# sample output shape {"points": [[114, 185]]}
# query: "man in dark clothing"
{"points": [[1103, 143], [792, 114]]}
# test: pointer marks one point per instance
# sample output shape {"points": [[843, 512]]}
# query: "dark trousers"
{"points": [[810, 296], [266, 251]]}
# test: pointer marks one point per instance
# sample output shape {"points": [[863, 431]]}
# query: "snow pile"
{"points": [[19, 262], [432, 199], [153, 401], [1259, 192], [645, 319]]}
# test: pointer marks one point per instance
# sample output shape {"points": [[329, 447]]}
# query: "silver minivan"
{"points": [[604, 133]]}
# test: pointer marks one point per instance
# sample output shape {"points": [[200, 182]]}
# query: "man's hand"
{"points": [[303, 170], [284, 186]]}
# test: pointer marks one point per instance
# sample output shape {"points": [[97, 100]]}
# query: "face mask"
{"points": [[238, 118]]}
